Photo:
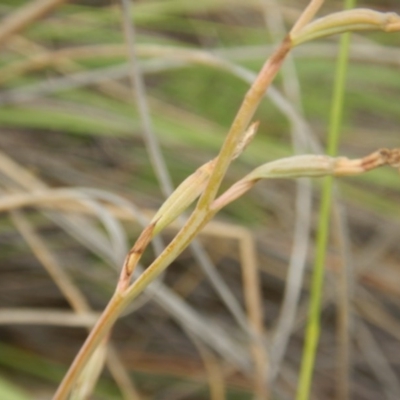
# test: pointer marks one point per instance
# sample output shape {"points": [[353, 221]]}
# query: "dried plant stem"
{"points": [[197, 220], [203, 212], [207, 207], [307, 15], [124, 296], [70, 292], [242, 120], [213, 368], [253, 299], [357, 19], [345, 288], [377, 361], [308, 166], [163, 176], [279, 340], [24, 15], [74, 297], [139, 92], [97, 334]]}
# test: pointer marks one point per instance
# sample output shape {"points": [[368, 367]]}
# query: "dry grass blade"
{"points": [[86, 382], [25, 15], [153, 147], [121, 375], [345, 291], [253, 299], [64, 60], [307, 15], [378, 362], [77, 301], [47, 317], [103, 75], [204, 329], [213, 369], [161, 170], [375, 313], [55, 270], [348, 20], [308, 166], [50, 262]]}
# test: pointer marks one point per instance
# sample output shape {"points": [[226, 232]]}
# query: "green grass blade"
{"points": [[313, 324], [10, 391]]}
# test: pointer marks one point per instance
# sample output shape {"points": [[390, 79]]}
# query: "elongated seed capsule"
{"points": [[358, 19], [191, 188], [308, 165], [184, 195]]}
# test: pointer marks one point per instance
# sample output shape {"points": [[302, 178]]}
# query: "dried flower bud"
{"points": [[184, 195]]}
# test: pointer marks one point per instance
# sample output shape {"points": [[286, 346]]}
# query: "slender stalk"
{"points": [[313, 325], [24, 15], [343, 365], [97, 334], [242, 120], [201, 215], [345, 284], [307, 15], [139, 91], [303, 205], [296, 166], [163, 176], [206, 209]]}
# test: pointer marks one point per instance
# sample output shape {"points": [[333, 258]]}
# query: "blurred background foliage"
{"points": [[68, 116]]}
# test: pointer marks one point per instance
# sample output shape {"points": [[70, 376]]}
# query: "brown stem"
{"points": [[344, 166], [242, 119], [133, 257], [197, 220], [98, 333], [307, 15], [25, 15]]}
